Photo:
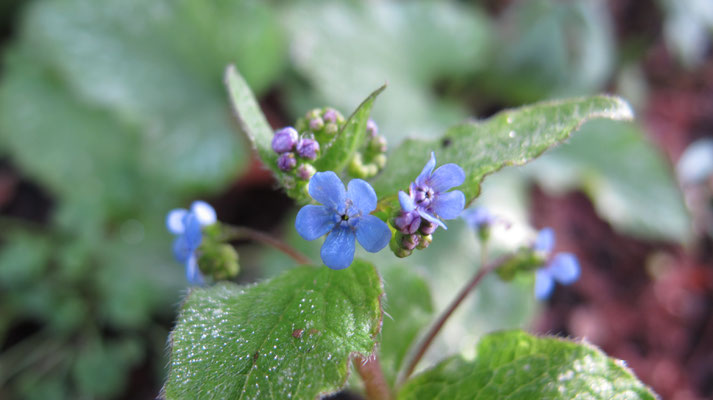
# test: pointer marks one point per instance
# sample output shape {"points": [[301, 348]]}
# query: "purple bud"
{"points": [[424, 242], [409, 242], [428, 227], [407, 222], [305, 171], [308, 148], [316, 124], [378, 144], [371, 128], [284, 140], [286, 161], [331, 128], [330, 115]]}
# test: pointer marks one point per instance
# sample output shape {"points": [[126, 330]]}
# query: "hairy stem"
{"points": [[240, 232], [374, 382], [428, 339]]}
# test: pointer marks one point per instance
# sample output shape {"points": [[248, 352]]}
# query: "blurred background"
{"points": [[113, 112]]}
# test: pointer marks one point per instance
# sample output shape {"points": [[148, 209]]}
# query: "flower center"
{"points": [[424, 196]]}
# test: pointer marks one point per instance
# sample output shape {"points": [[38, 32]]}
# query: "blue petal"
{"points": [[543, 284], [545, 240], [328, 189], [193, 273], [362, 195], [424, 214], [427, 170], [477, 217], [181, 250], [445, 177], [372, 233], [406, 201], [565, 268], [205, 214], [449, 205], [314, 221], [192, 234], [174, 221], [338, 249]]}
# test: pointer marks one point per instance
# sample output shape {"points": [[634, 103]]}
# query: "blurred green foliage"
{"points": [[117, 110]]}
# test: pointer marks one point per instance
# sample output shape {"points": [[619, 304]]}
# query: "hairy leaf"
{"points": [[289, 337], [511, 137], [515, 365]]}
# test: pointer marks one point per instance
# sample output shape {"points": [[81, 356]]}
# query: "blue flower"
{"points": [[563, 267], [187, 225], [429, 195], [344, 216], [478, 218]]}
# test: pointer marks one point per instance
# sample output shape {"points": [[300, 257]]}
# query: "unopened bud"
{"points": [[371, 128], [378, 144], [316, 124], [331, 128], [330, 115], [425, 242], [397, 247], [305, 171], [308, 148], [286, 161], [428, 227], [284, 140], [410, 242], [407, 222], [380, 161]]}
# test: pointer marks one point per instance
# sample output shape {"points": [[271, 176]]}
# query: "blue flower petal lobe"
{"points": [[431, 218], [446, 177], [545, 240], [338, 249], [406, 201], [362, 195], [328, 189], [543, 284], [174, 221], [313, 221], [181, 250], [427, 170], [372, 233], [193, 273], [449, 205], [204, 212], [565, 268]]}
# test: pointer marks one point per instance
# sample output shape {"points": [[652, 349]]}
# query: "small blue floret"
{"points": [[563, 267], [187, 224], [429, 193], [344, 217]]}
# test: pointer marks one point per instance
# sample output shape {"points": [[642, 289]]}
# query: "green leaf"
{"points": [[409, 308], [250, 117], [515, 365], [551, 49], [289, 337], [154, 68], [511, 137], [348, 140], [629, 181]]}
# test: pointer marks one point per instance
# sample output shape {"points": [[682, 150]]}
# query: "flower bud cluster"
{"points": [[323, 123], [428, 202], [372, 159], [293, 148], [413, 233]]}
